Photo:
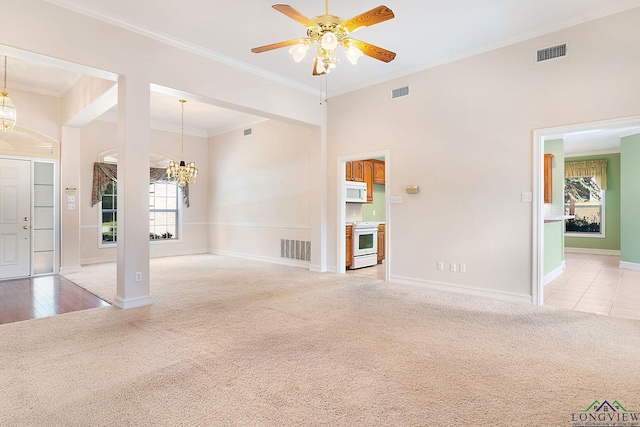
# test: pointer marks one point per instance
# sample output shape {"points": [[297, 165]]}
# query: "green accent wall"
{"points": [[612, 210], [553, 248], [553, 231], [378, 205], [630, 199]]}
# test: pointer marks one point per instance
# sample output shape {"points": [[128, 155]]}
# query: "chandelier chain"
{"points": [[5, 74], [182, 101]]}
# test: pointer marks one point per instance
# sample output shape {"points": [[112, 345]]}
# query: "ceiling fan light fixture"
{"points": [[299, 51], [327, 31], [329, 41], [353, 54]]}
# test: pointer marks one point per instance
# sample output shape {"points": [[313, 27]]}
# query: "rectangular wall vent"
{"points": [[400, 92], [552, 52], [247, 132], [295, 249]]}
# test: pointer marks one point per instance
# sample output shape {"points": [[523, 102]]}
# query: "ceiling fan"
{"points": [[326, 32]]}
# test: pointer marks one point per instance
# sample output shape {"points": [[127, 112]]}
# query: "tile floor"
{"points": [[596, 284], [376, 272]]}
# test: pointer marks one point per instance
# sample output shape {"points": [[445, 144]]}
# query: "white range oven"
{"points": [[365, 244]]}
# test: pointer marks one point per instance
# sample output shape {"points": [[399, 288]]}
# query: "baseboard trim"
{"points": [[318, 269], [630, 265], [280, 261], [552, 275], [450, 287], [128, 303], [67, 270], [91, 261], [592, 251]]}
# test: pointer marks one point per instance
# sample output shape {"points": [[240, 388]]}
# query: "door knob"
{"points": [[26, 227], [26, 218]]}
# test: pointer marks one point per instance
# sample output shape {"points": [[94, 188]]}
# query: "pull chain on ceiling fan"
{"points": [[326, 32]]}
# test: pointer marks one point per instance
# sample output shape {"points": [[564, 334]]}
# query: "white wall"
{"points": [[261, 189], [36, 112], [464, 135], [99, 137]]}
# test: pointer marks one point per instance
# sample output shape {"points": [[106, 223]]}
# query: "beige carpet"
{"points": [[230, 342]]}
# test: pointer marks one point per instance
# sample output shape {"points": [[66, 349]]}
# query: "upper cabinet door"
{"points": [[358, 171], [378, 172], [349, 169], [548, 163]]}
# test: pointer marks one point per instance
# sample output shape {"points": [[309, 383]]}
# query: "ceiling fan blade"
{"points": [[315, 68], [372, 51], [374, 16], [294, 14], [276, 45]]}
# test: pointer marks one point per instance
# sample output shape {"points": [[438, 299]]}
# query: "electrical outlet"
{"points": [[440, 265], [462, 268], [138, 276], [452, 267]]}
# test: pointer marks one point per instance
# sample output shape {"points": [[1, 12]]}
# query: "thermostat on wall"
{"points": [[413, 189]]}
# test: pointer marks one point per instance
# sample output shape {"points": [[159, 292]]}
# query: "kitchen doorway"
{"points": [[364, 226], [539, 208]]}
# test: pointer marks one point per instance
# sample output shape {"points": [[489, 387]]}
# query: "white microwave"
{"points": [[356, 192]]}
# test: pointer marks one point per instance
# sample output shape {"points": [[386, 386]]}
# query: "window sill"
{"points": [[591, 235]]}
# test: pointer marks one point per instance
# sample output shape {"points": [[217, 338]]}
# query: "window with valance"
{"points": [[585, 182], [104, 173]]}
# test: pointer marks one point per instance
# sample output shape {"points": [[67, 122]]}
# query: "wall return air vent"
{"points": [[552, 52], [247, 132], [400, 92]]}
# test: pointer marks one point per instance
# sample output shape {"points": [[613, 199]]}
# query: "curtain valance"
{"points": [[103, 173], [596, 168]]}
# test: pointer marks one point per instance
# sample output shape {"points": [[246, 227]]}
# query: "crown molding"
{"points": [[179, 43], [519, 38]]}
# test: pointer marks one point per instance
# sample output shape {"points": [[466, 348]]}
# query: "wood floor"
{"points": [[32, 298]]}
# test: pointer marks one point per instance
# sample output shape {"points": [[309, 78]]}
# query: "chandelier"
{"points": [[182, 173], [7, 110]]}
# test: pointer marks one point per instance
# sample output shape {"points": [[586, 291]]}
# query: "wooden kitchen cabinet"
{"points": [[368, 179], [348, 243], [358, 170], [548, 165], [378, 172], [380, 243], [355, 171]]}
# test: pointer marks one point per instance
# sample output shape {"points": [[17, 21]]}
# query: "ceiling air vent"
{"points": [[400, 92], [247, 132], [551, 52]]}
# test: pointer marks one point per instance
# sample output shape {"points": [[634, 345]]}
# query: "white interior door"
{"points": [[15, 218]]}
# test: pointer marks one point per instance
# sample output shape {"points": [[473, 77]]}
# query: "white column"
{"points": [[70, 202], [133, 192], [318, 202]]}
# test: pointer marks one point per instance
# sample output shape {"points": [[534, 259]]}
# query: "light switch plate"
{"points": [[527, 197], [395, 200]]}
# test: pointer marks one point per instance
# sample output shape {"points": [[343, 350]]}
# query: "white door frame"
{"points": [[341, 191], [539, 135]]}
